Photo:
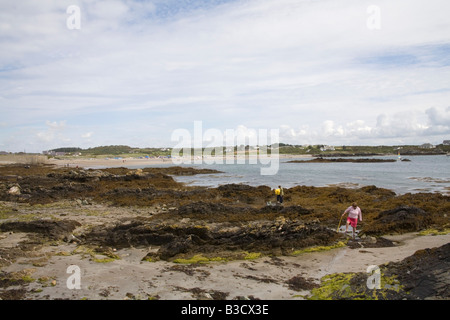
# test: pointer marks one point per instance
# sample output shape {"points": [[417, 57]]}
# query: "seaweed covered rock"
{"points": [[206, 209], [56, 230], [245, 193], [281, 236], [424, 275], [129, 233], [400, 220], [286, 211], [79, 175], [299, 283], [374, 190], [174, 248]]}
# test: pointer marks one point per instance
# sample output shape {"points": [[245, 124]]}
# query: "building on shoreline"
{"points": [[426, 146], [53, 153]]}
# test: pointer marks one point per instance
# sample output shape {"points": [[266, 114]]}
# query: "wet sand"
{"points": [[263, 278]]}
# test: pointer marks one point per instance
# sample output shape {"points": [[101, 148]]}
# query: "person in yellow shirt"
{"points": [[280, 193]]}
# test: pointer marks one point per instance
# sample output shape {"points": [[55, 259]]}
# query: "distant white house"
{"points": [[427, 146], [53, 153], [327, 148]]}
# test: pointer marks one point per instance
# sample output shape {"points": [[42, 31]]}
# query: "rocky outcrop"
{"points": [[270, 237], [424, 275], [401, 219]]}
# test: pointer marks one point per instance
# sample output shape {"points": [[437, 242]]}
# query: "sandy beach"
{"points": [[136, 162], [264, 278], [107, 163]]}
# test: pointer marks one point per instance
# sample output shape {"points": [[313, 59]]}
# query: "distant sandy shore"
{"points": [[121, 162]]}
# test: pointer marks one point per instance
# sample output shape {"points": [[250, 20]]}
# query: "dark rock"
{"points": [[51, 229], [400, 219], [206, 208], [425, 274], [299, 283], [173, 248]]}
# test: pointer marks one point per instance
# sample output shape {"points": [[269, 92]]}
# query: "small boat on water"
{"points": [[402, 159]]}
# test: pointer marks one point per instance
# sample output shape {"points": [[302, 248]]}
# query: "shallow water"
{"points": [[421, 174]]}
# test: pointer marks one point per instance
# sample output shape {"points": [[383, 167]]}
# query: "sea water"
{"points": [[420, 174]]}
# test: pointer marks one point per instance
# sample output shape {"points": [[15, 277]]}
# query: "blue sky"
{"points": [[136, 71]]}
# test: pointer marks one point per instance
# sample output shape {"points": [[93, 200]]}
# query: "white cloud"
{"points": [[56, 125], [438, 121], [310, 68], [46, 136], [413, 127], [53, 134], [439, 116], [87, 135]]}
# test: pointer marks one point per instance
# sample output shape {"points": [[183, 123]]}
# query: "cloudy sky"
{"points": [[131, 72]]}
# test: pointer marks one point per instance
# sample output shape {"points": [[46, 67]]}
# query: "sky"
{"points": [[112, 72]]}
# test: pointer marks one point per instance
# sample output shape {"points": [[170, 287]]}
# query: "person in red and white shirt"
{"points": [[354, 212]]}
